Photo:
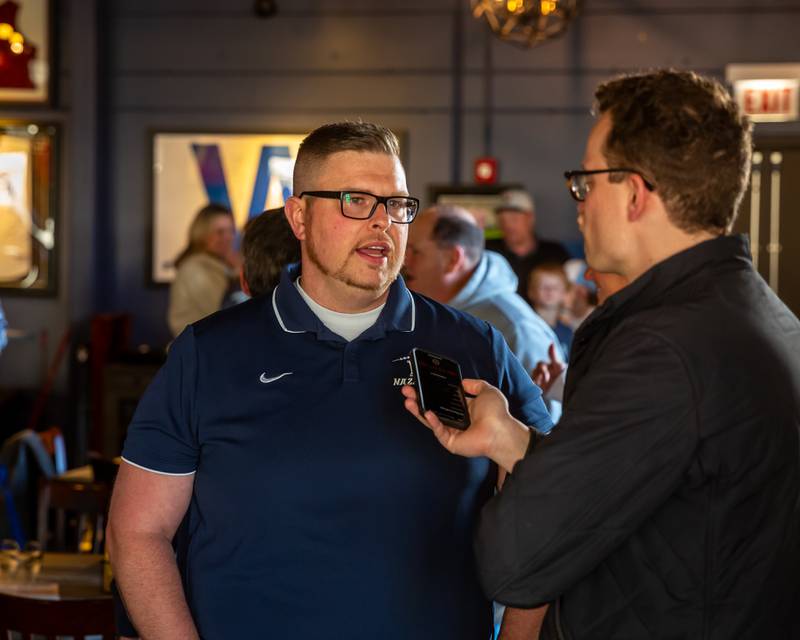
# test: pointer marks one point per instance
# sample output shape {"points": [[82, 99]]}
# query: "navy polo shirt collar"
{"points": [[295, 316]]}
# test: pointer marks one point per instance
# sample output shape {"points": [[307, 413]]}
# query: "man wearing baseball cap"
{"points": [[516, 218]]}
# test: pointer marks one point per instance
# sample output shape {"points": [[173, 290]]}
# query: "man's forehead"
{"points": [[347, 155], [596, 140], [362, 162]]}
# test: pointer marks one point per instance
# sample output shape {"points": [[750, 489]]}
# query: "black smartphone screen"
{"points": [[438, 383]]}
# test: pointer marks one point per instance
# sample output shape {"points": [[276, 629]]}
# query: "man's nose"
{"points": [[380, 219]]}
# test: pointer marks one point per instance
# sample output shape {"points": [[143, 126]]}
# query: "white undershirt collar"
{"points": [[347, 325]]}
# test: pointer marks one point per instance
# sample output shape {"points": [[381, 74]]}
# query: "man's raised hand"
{"points": [[546, 373]]}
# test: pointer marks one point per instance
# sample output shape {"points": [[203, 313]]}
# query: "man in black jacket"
{"points": [[665, 504]]}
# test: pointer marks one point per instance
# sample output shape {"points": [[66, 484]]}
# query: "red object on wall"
{"points": [[14, 73], [486, 170]]}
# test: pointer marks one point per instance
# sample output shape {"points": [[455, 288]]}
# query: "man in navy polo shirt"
{"points": [[313, 505]]}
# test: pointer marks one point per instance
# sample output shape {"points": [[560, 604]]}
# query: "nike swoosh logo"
{"points": [[267, 380]]}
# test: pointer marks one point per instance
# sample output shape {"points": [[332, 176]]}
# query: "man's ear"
{"points": [[243, 282], [637, 198], [454, 262], [295, 211]]}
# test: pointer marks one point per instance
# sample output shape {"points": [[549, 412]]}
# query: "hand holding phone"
{"points": [[437, 380]]}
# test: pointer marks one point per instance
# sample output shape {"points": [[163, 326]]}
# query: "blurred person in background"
{"points": [[206, 269], [268, 245], [581, 297], [550, 374], [547, 290], [516, 218], [445, 260]]}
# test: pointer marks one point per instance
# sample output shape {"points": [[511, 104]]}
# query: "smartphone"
{"points": [[437, 380]]}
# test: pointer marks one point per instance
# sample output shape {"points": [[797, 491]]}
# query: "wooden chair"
{"points": [[51, 618], [88, 501]]}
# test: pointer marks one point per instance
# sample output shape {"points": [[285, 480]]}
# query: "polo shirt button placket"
{"points": [[350, 355]]}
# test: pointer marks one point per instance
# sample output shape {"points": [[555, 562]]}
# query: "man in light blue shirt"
{"points": [[446, 261]]}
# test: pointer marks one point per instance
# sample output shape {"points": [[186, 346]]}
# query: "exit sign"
{"points": [[768, 100]]}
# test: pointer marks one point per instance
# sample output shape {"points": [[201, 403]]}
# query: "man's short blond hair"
{"points": [[335, 137]]}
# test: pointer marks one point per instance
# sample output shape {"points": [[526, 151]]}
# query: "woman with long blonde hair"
{"points": [[206, 269]]}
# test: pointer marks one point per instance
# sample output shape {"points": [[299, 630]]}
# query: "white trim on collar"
{"points": [[413, 314], [278, 315]]}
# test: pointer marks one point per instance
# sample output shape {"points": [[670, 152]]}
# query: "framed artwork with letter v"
{"points": [[246, 172]]}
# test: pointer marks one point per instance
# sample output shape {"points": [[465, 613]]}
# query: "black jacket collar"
{"points": [[649, 289]]}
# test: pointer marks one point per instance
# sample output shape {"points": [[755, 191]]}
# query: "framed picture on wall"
{"points": [[479, 200], [245, 172], [26, 55], [28, 208]]}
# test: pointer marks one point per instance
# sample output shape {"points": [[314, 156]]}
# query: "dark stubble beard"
{"points": [[340, 274]]}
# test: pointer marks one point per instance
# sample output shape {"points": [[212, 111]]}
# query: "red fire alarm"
{"points": [[486, 170]]}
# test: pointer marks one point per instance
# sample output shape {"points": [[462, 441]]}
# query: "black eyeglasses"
{"points": [[579, 186], [361, 205]]}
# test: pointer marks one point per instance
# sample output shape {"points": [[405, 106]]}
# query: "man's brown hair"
{"points": [[335, 137], [687, 136], [268, 245]]}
